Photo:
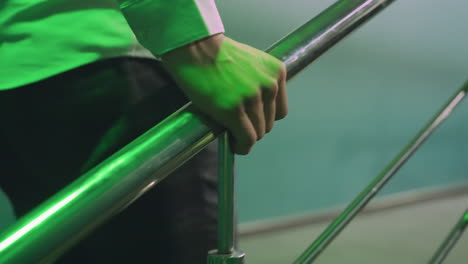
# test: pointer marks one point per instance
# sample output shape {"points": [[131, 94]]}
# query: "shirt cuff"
{"points": [[162, 26]]}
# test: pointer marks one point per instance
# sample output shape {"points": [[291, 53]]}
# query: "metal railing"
{"points": [[47, 231], [452, 238], [312, 252]]}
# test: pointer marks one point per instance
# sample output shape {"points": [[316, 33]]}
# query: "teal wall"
{"points": [[352, 110]]}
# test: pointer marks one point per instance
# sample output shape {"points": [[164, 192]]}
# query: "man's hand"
{"points": [[240, 87]]}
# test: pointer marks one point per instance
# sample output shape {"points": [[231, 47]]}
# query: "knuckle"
{"points": [[282, 114], [235, 112], [253, 99], [252, 102], [260, 137], [270, 92], [269, 126], [275, 89], [283, 70], [243, 152], [250, 140]]}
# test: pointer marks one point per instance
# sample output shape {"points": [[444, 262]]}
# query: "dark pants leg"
{"points": [[54, 130]]}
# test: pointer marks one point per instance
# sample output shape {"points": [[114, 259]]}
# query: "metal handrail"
{"points": [[44, 233]]}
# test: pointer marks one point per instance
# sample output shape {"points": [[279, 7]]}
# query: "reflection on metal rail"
{"points": [[451, 240], [43, 234], [374, 187]]}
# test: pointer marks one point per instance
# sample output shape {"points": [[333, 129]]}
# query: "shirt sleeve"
{"points": [[163, 25]]}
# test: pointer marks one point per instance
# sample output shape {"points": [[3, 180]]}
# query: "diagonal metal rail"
{"points": [[48, 230], [314, 250], [451, 240]]}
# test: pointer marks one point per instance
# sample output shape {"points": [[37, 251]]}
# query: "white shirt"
{"points": [[42, 38]]}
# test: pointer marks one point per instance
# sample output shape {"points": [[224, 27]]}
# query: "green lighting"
{"points": [[54, 208], [37, 221], [62, 208]]}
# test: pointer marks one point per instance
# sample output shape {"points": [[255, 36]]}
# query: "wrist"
{"points": [[202, 51]]}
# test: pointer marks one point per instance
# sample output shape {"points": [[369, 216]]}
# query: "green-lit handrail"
{"points": [[44, 233]]}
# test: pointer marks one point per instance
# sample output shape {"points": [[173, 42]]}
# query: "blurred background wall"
{"points": [[353, 109]]}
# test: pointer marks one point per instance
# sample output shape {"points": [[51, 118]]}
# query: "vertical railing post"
{"points": [[226, 252]]}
